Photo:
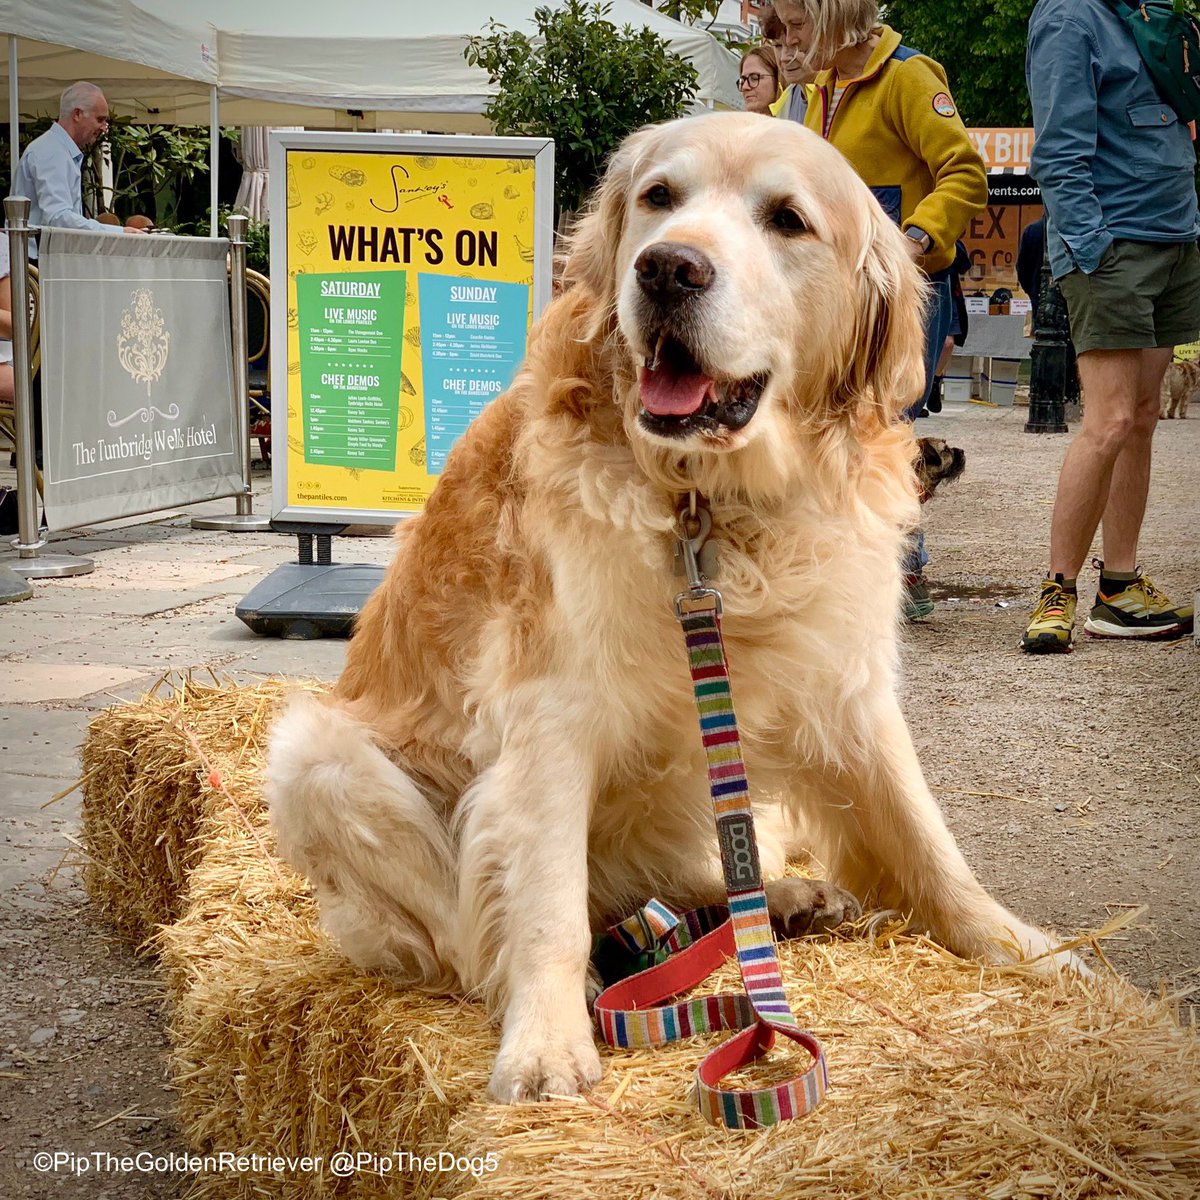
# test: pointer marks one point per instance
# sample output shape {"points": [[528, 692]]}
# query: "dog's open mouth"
{"points": [[678, 398]]}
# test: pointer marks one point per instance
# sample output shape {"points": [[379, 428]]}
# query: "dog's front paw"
{"points": [[550, 1066], [800, 906]]}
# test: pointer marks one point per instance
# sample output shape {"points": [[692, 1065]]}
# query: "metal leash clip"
{"points": [[694, 528]]}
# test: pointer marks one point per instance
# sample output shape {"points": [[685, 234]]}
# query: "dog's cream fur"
{"points": [[511, 756]]}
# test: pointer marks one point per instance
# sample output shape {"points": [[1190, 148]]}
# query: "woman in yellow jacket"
{"points": [[888, 109]]}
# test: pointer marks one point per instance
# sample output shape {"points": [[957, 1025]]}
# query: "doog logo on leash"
{"points": [[739, 853]]}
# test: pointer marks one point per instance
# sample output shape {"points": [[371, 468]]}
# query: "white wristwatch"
{"points": [[920, 236]]}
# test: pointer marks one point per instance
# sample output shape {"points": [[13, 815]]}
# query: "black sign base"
{"points": [[309, 600]]}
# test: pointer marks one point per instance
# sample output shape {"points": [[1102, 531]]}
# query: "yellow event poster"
{"points": [[411, 287]]}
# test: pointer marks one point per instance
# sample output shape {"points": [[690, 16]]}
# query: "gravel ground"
{"points": [[1089, 762], [1070, 782]]}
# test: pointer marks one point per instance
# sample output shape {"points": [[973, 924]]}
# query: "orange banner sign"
{"points": [[1003, 149]]}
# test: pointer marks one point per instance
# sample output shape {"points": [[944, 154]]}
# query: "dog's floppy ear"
{"points": [[887, 371], [592, 253]]}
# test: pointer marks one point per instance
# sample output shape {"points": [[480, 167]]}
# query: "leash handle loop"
{"points": [[631, 1013]]}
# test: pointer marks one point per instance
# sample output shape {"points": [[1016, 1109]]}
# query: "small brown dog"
{"points": [[937, 462], [1180, 381]]}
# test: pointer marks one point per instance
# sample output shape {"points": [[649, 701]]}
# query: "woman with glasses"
{"points": [[758, 79]]}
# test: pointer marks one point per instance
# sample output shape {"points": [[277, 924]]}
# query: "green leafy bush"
{"points": [[153, 165], [583, 82]]}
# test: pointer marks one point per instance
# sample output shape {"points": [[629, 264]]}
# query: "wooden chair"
{"points": [[8, 413]]}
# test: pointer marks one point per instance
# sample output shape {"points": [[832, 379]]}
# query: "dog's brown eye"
{"points": [[659, 196], [788, 220]]}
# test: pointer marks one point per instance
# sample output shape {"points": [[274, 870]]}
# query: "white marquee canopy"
{"points": [[296, 62]]}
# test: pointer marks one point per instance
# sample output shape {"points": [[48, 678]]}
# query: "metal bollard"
{"points": [[1052, 379], [30, 563], [243, 519]]}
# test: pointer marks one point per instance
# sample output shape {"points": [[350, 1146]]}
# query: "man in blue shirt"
{"points": [[1116, 169], [50, 169]]}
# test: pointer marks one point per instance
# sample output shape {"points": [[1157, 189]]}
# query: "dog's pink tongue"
{"points": [[667, 393]]}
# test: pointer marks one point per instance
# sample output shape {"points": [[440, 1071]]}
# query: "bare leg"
{"points": [[1130, 485], [1112, 383]]}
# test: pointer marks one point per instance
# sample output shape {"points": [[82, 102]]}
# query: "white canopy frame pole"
{"points": [[214, 158], [14, 117]]}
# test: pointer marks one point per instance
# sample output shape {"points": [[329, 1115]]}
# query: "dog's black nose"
{"points": [[670, 271]]}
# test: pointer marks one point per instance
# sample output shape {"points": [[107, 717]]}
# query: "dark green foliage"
{"points": [[583, 82], [153, 165], [692, 12], [981, 43]]}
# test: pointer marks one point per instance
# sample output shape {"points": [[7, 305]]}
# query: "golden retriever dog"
{"points": [[511, 757], [1179, 384]]}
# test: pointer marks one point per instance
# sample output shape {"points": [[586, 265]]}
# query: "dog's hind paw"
{"points": [[1005, 939], [800, 906], [553, 1067], [1041, 951]]}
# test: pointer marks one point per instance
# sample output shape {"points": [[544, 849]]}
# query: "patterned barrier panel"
{"points": [[137, 397]]}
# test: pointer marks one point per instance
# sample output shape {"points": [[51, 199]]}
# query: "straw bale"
{"points": [[141, 798], [146, 769], [948, 1079]]}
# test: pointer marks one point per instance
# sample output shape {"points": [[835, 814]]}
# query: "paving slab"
{"points": [[58, 598], [29, 628], [37, 682], [157, 573], [36, 741]]}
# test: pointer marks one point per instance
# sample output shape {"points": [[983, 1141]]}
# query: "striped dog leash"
{"points": [[632, 1012]]}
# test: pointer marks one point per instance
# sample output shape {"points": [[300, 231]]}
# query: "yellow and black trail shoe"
{"points": [[1049, 629], [1135, 608]]}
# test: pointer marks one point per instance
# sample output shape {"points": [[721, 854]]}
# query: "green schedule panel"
{"points": [[351, 330]]}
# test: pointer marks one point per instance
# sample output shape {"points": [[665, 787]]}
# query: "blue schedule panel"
{"points": [[472, 338]]}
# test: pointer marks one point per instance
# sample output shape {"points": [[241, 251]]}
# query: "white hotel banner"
{"points": [[137, 378]]}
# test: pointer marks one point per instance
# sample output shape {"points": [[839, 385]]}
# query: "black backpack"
{"points": [[1168, 40]]}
